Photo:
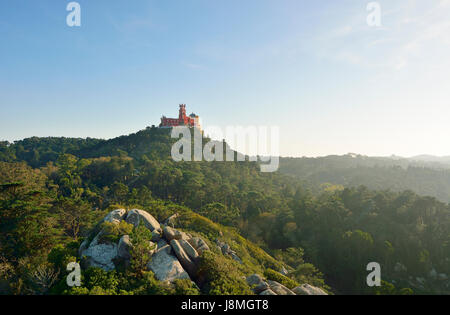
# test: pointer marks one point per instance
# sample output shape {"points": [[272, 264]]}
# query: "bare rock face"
{"points": [[135, 216], [268, 292], [254, 279], [186, 261], [118, 215], [101, 255], [306, 289], [258, 284], [279, 289], [124, 247], [173, 234], [190, 250], [177, 260], [165, 266], [199, 244]]}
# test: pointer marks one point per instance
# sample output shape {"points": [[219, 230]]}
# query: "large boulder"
{"points": [[257, 283], [190, 250], [186, 261], [261, 287], [199, 244], [279, 289], [135, 216], [84, 245], [114, 215], [101, 255], [306, 289], [124, 247], [98, 253], [173, 234], [165, 266], [254, 279]]}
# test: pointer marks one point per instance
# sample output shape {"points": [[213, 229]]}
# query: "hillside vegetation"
{"points": [[54, 190]]}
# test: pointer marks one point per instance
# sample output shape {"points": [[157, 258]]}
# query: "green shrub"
{"points": [[142, 247], [112, 232], [271, 274], [185, 287], [221, 276]]}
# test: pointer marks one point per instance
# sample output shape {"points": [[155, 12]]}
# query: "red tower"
{"points": [[183, 120]]}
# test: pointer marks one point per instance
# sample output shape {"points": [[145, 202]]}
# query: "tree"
{"points": [[75, 216], [141, 249]]}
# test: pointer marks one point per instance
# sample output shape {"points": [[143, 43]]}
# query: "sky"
{"points": [[332, 83]]}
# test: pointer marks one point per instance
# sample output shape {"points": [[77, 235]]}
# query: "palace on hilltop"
{"points": [[183, 120]]}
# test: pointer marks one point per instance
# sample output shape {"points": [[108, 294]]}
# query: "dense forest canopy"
{"points": [[321, 222]]}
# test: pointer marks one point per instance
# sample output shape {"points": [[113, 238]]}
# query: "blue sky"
{"points": [[315, 68]]}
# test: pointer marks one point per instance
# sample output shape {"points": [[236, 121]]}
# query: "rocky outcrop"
{"points": [[226, 250], [262, 286], [124, 247], [166, 266], [115, 215], [97, 254], [174, 256], [279, 289], [135, 217], [173, 234], [199, 244], [101, 255], [187, 261], [306, 289], [268, 292]]}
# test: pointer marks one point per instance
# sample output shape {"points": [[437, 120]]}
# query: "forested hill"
{"points": [[427, 178], [329, 236]]}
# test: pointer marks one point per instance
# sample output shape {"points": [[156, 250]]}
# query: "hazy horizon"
{"points": [[333, 83]]}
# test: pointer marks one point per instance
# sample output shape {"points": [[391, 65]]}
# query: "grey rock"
{"points": [[254, 280], [173, 234], [442, 276], [124, 247], [279, 289], [199, 244], [306, 289], [261, 287], [268, 292], [190, 250], [118, 215], [101, 255], [235, 257], [284, 271], [187, 263], [135, 216], [165, 266], [161, 243]]}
